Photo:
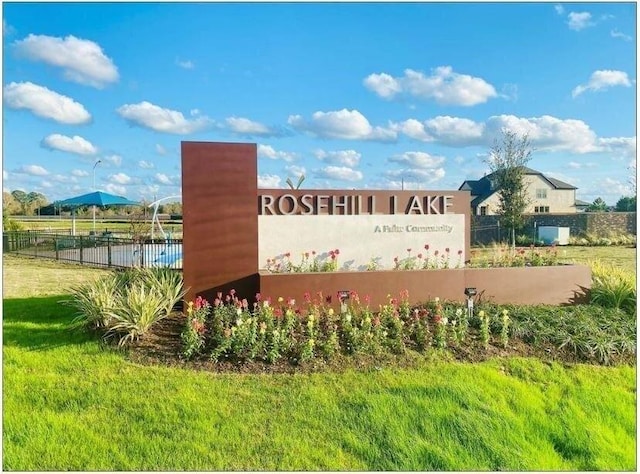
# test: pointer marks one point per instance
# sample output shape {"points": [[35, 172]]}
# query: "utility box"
{"points": [[553, 235]]}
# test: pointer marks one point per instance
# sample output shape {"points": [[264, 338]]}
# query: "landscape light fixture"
{"points": [[470, 292], [343, 296]]}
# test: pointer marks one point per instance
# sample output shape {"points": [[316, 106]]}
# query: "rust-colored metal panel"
{"points": [[555, 285], [567, 284], [220, 223]]}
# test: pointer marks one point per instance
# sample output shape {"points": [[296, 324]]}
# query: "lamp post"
{"points": [[94, 188]]}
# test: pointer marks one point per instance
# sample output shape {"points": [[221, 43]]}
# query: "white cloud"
{"points": [[33, 170], [547, 133], [120, 178], [115, 160], [579, 21], [75, 144], [418, 159], [45, 103], [7, 29], [349, 158], [146, 165], [268, 181], [245, 126], [81, 60], [416, 175], [79, 173], [62, 178], [188, 64], [602, 80], [148, 115], [618, 34], [267, 151], [5, 175], [160, 150], [116, 189], [340, 173], [624, 147], [444, 86], [344, 124], [162, 178], [559, 9], [295, 171]]}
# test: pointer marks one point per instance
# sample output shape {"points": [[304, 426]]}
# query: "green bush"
{"points": [[612, 287], [137, 309], [126, 304]]}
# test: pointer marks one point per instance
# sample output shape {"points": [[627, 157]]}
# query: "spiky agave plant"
{"points": [[168, 282]]}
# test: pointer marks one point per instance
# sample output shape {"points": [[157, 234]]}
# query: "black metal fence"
{"points": [[94, 250]]}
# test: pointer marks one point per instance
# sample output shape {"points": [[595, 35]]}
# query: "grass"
{"points": [[70, 403], [623, 257]]}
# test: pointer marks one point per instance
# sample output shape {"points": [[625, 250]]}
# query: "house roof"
{"points": [[482, 188]]}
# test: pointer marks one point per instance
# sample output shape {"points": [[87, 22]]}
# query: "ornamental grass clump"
{"points": [[613, 287], [126, 304]]}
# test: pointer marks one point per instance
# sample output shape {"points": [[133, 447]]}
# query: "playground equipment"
{"points": [[171, 254]]}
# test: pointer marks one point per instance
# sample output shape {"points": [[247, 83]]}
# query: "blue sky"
{"points": [[362, 95]]}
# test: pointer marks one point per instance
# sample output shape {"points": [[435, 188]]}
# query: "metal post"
{"points": [[109, 251], [81, 250], [94, 188]]}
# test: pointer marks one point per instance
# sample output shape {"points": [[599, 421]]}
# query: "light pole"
{"points": [[94, 188]]}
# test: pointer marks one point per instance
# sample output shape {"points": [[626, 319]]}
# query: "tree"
{"points": [[598, 205], [507, 161], [10, 206], [626, 204]]}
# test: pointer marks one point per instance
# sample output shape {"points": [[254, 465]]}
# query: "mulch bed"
{"points": [[163, 346]]}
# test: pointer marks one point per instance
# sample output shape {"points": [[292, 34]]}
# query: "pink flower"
{"points": [[220, 294], [232, 292], [367, 299], [245, 303], [459, 252], [419, 255], [217, 302], [409, 250], [447, 250], [227, 298], [337, 251], [258, 296], [307, 297], [288, 254], [277, 312], [436, 253]]}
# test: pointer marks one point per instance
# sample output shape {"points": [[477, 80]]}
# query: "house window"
{"points": [[483, 210], [541, 209], [541, 194]]}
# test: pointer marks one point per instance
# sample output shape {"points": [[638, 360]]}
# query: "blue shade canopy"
{"points": [[98, 198]]}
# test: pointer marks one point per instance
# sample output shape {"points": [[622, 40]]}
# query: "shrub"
{"points": [[126, 304], [612, 287], [93, 302]]}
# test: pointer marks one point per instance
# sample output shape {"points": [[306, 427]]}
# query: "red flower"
{"points": [[307, 297], [426, 246], [337, 251], [367, 299], [232, 292], [395, 259], [459, 252], [436, 253], [288, 254], [447, 250], [409, 250], [313, 252], [419, 255], [277, 312]]}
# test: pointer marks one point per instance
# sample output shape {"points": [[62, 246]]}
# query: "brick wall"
{"points": [[486, 229]]}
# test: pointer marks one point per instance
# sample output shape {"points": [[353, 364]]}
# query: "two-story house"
{"points": [[546, 194]]}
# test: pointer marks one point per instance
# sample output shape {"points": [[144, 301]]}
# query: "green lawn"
{"points": [[69, 403]]}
